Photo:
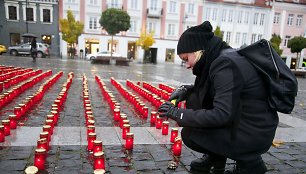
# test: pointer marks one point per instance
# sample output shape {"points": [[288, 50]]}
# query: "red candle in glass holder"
{"points": [[7, 129], [56, 116], [165, 127], [177, 147], [174, 134], [123, 117], [42, 144], [97, 146], [90, 129], [2, 136], [145, 111], [99, 162], [17, 111], [116, 114], [91, 122], [91, 139], [50, 123], [129, 141], [13, 122], [125, 130], [47, 128], [153, 117], [40, 159], [159, 122]]}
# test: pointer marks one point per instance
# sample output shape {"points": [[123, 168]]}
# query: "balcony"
{"points": [[45, 1], [154, 12], [112, 5]]}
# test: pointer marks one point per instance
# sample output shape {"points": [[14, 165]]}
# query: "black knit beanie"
{"points": [[195, 38]]}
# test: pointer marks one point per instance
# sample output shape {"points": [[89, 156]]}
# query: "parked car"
{"points": [[102, 54], [2, 49], [25, 49]]}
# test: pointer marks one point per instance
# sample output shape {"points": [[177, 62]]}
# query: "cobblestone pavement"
{"points": [[151, 152]]}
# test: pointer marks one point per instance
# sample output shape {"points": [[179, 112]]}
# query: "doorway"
{"points": [[131, 50], [91, 46], [150, 56], [169, 57]]}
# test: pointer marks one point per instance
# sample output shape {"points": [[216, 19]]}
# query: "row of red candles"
{"points": [[166, 87], [10, 72], [4, 69], [24, 107], [43, 143], [93, 145], [28, 73], [124, 123], [160, 92], [8, 96]]}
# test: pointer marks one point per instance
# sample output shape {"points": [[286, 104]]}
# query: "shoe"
{"points": [[249, 167], [208, 164]]}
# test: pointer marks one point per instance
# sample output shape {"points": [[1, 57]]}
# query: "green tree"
{"points": [[275, 42], [218, 32], [113, 21], [296, 45], [71, 29]]}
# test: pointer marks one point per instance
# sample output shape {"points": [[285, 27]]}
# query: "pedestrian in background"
{"points": [[34, 48], [227, 113]]}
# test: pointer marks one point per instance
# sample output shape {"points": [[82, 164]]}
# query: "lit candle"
{"points": [[159, 122], [40, 158], [125, 130], [174, 134], [47, 128], [97, 146], [2, 136], [165, 127], [31, 170], [7, 129], [99, 162], [90, 129], [91, 139], [99, 171], [42, 144], [116, 114], [13, 122], [45, 135], [153, 117], [177, 147], [145, 111], [129, 141]]}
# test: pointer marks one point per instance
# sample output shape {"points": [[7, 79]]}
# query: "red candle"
{"points": [[99, 162], [2, 136], [90, 129], [45, 135], [159, 122], [42, 144], [125, 130], [40, 159], [153, 117], [145, 111], [50, 123], [177, 147], [116, 114], [17, 111], [7, 129], [123, 117], [47, 128], [165, 127], [97, 146], [129, 141], [13, 122], [91, 139], [174, 134], [91, 122]]}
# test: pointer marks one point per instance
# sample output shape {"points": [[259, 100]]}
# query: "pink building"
{"points": [[289, 21]]}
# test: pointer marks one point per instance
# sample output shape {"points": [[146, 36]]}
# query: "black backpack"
{"points": [[280, 81]]}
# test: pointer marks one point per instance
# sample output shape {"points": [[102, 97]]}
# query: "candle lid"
{"points": [[88, 105], [122, 114], [5, 121], [177, 139], [91, 121], [126, 121], [42, 140], [12, 116], [17, 107], [21, 105], [40, 151], [91, 127], [98, 154], [117, 110], [153, 112], [174, 129], [99, 171], [129, 135], [54, 105], [145, 107], [31, 170], [49, 121], [88, 112], [165, 122], [97, 142], [1, 127], [44, 133], [54, 112], [126, 126], [90, 117], [91, 134], [57, 101], [88, 108], [50, 116]]}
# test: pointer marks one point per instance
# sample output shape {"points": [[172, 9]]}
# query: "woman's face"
{"points": [[189, 58]]}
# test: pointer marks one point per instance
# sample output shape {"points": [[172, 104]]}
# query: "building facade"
{"points": [[39, 17], [289, 21]]}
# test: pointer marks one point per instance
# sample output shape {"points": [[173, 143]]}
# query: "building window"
{"points": [[230, 16], [228, 37], [29, 14], [46, 15], [14, 38], [12, 12], [290, 19], [246, 17], [239, 20], [134, 4], [92, 23], [276, 18], [133, 26], [253, 38], [299, 20], [237, 40], [171, 28], [153, 5], [93, 2], [172, 8], [255, 18], [207, 14], [287, 38], [190, 8], [214, 15], [262, 19], [244, 38], [223, 15], [259, 36], [46, 39], [151, 26], [71, 1]]}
